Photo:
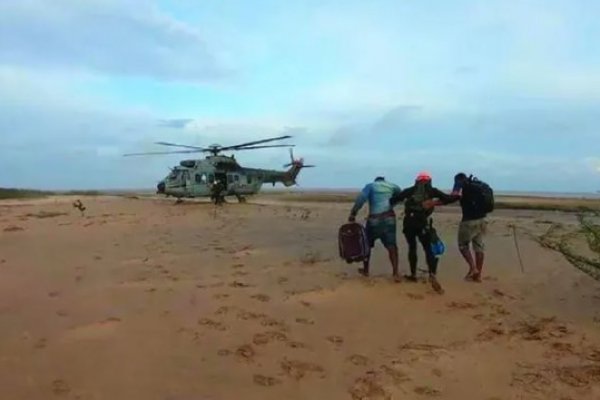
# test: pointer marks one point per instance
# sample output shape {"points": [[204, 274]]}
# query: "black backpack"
{"points": [[483, 194]]}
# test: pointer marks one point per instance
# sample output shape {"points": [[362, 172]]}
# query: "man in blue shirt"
{"points": [[381, 222]]}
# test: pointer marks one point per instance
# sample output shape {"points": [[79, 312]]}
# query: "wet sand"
{"points": [[145, 299]]}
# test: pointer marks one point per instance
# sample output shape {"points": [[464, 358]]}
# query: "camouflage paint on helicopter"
{"points": [[196, 177]]}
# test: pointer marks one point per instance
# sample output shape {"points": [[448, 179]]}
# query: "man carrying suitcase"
{"points": [[381, 222]]}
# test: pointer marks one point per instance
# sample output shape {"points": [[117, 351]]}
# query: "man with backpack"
{"points": [[381, 222], [476, 201], [418, 224]]}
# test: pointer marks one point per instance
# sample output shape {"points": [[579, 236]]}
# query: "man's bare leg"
{"points": [[466, 253], [393, 254], [479, 257], [364, 271]]}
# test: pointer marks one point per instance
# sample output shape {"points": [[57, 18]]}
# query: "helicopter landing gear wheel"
{"points": [[240, 198]]}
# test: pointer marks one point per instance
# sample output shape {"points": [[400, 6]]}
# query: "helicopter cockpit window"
{"points": [[211, 178], [173, 175], [249, 179], [236, 178]]}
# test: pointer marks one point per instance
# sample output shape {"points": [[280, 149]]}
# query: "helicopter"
{"points": [[194, 178]]}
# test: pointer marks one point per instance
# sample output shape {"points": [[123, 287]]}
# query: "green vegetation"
{"points": [[502, 202], [12, 193], [557, 238], [592, 233]]}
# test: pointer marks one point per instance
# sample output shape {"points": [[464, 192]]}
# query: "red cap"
{"points": [[424, 176]]}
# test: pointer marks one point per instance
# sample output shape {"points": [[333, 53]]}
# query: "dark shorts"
{"points": [[383, 229]]}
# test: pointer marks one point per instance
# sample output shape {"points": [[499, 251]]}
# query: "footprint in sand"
{"points": [[305, 321], [296, 345], [221, 296], [358, 360], [41, 344], [413, 296], [223, 310], [306, 304], [54, 294], [239, 273], [212, 324], [246, 353], [249, 315], [96, 330], [397, 375], [337, 340], [237, 284], [368, 387], [461, 305], [271, 322], [267, 381], [261, 339], [261, 297], [224, 352], [282, 280], [299, 369], [60, 387], [13, 228], [427, 391], [62, 313]]}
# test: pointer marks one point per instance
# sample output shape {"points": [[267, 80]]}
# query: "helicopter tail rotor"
{"points": [[299, 163]]}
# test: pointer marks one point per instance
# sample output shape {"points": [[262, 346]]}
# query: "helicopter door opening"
{"points": [[221, 178], [185, 177], [201, 179]]}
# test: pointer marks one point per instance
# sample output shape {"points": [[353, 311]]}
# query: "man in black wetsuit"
{"points": [[418, 203]]}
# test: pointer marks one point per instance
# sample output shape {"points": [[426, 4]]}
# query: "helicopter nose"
{"points": [[160, 188]]}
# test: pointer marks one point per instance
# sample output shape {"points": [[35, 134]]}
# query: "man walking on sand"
{"points": [[476, 201], [381, 222], [419, 201]]}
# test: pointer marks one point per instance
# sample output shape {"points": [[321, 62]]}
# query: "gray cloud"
{"points": [[130, 39], [175, 123], [395, 118]]}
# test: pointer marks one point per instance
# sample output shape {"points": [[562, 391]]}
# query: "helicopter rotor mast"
{"points": [[216, 149]]}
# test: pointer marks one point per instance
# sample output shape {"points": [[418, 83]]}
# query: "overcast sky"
{"points": [[506, 90]]}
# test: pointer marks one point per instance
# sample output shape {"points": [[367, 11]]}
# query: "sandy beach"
{"points": [[140, 298]]}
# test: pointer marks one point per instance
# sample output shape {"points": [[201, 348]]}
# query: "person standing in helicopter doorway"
{"points": [[217, 192], [418, 223]]}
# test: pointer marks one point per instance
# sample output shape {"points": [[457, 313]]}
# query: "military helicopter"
{"points": [[198, 177]]}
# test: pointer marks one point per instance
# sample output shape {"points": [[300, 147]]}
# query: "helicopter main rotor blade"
{"points": [[181, 145], [162, 152], [263, 147], [238, 146]]}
